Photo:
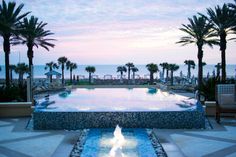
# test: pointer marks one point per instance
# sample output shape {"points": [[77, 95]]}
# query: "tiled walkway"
{"points": [[16, 141], [218, 142]]}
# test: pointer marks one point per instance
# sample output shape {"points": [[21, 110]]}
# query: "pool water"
{"points": [[118, 99], [99, 143]]}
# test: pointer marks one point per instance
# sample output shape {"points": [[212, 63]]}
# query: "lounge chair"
{"points": [[225, 100]]}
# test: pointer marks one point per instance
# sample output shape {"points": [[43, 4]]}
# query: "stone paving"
{"points": [[17, 141]]}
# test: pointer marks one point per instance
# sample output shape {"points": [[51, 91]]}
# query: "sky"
{"points": [[118, 31]]}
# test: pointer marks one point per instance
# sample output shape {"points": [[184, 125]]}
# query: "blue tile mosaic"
{"points": [[158, 119]]}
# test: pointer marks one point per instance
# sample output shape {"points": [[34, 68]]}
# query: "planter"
{"points": [[15, 109], [210, 107]]}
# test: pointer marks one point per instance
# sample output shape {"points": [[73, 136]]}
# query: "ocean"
{"points": [[102, 70]]}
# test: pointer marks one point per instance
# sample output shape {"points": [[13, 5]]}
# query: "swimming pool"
{"points": [[119, 99], [106, 107]]}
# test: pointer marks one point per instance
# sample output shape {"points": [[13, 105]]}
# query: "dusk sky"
{"points": [[118, 31]]}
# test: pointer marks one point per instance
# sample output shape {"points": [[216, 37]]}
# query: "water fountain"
{"points": [[116, 143], [116, 150]]}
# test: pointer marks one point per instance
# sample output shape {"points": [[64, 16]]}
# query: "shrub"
{"points": [[13, 93]]}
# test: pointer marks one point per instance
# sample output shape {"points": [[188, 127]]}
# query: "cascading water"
{"points": [[118, 142]]}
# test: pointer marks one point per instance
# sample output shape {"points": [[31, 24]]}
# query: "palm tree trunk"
{"points": [[6, 48], [200, 70], [90, 77], [121, 77], [163, 72], [30, 57], [223, 62], [223, 59], [11, 75], [189, 71], [133, 78], [218, 72], [20, 79], [62, 71], [50, 75], [167, 75], [151, 78], [172, 78], [128, 74], [70, 75]]}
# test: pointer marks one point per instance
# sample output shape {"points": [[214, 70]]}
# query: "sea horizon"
{"points": [[110, 69]]}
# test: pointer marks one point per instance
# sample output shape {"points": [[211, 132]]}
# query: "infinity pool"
{"points": [[107, 107], [119, 99]]}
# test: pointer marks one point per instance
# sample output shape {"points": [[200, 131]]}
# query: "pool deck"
{"points": [[17, 141]]}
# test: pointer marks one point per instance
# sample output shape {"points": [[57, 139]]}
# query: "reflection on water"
{"points": [[119, 99], [64, 94], [152, 91]]}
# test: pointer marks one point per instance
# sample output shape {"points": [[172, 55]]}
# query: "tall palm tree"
{"points": [[62, 62], [51, 65], [218, 67], [152, 68], [21, 69], [10, 15], [191, 65], [129, 66], [71, 66], [223, 21], [134, 70], [164, 66], [173, 67], [90, 70], [200, 33], [33, 34], [11, 69], [121, 69]]}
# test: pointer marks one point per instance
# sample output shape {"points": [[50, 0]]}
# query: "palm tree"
{"points": [[191, 65], [218, 67], [164, 66], [71, 66], [62, 62], [134, 70], [11, 69], [51, 65], [152, 68], [223, 21], [90, 70], [173, 67], [129, 66], [200, 33], [21, 69], [9, 19], [121, 69], [33, 34]]}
